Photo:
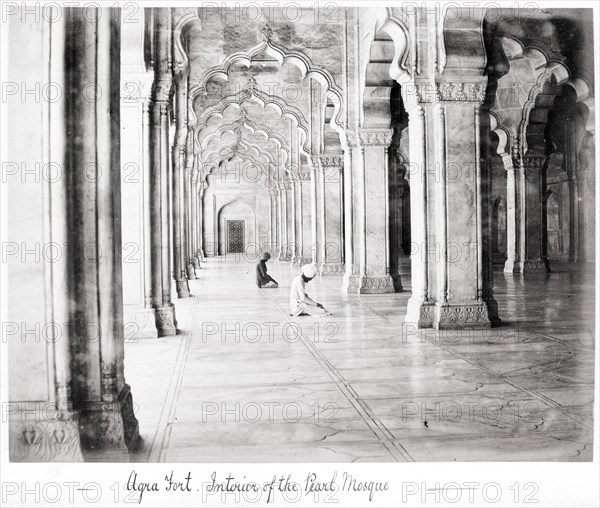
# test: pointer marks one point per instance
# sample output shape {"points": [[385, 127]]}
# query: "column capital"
{"points": [[370, 137], [416, 93], [304, 175], [533, 161], [161, 89], [332, 160]]}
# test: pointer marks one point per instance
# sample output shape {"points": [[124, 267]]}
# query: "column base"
{"points": [[196, 262], [191, 272], [369, 285], [419, 313], [512, 266], [110, 425], [350, 283], [183, 288], [166, 324], [53, 436], [138, 323], [460, 316], [332, 268], [535, 265]]}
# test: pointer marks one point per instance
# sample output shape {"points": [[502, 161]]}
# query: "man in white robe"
{"points": [[300, 303]]}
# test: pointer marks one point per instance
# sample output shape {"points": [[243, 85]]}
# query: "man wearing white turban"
{"points": [[300, 302]]}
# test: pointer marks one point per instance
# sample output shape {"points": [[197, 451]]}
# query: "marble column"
{"points": [[331, 216], [288, 219], [532, 210], [351, 151], [397, 189], [96, 318], [282, 215], [199, 196], [371, 212], [299, 219], [136, 206], [451, 282], [314, 239], [189, 209], [178, 175], [587, 175], [513, 260], [164, 310], [293, 220], [306, 231], [420, 308]]}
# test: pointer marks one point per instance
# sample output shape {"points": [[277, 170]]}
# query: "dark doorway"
{"points": [[235, 236]]}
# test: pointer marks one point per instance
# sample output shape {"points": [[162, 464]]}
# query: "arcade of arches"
{"points": [[439, 169]]}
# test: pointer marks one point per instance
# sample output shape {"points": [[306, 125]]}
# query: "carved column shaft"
{"points": [[293, 224], [104, 399], [350, 281], [159, 176], [512, 253], [532, 206], [178, 205], [313, 214]]}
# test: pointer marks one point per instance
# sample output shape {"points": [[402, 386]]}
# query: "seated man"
{"points": [[263, 279], [300, 303]]}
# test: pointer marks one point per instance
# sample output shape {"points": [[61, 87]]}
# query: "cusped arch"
{"points": [[183, 23], [283, 56], [545, 67]]}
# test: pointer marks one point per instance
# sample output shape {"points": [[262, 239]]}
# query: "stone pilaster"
{"points": [[136, 84], [532, 228], [305, 204], [331, 167], [371, 212]]}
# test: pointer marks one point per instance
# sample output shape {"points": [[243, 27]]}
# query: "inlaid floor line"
{"points": [[159, 445], [343, 386], [154, 450]]}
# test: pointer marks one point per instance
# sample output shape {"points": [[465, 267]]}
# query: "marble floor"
{"points": [[245, 382]]}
